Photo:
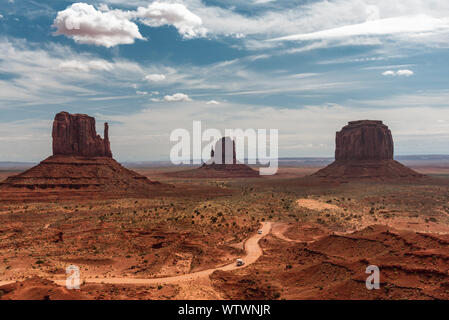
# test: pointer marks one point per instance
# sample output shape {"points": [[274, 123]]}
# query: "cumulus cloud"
{"points": [[155, 77], [177, 97], [157, 14], [405, 73], [1, 16], [106, 27], [86, 66], [212, 102], [85, 24]]}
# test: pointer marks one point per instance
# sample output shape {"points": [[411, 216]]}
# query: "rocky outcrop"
{"points": [[364, 140], [364, 150], [75, 134]]}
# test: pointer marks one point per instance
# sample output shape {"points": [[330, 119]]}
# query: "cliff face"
{"points": [[75, 134], [364, 140]]}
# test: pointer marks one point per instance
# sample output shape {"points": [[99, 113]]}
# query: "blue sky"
{"points": [[303, 67]]}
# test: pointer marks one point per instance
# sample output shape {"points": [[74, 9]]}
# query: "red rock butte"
{"points": [[75, 134], [222, 164], [81, 167], [223, 161], [364, 149]]}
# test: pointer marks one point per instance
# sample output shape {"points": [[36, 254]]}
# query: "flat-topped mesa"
{"points": [[75, 135], [364, 140], [364, 150]]}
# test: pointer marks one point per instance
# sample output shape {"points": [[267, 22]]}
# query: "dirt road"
{"points": [[253, 252]]}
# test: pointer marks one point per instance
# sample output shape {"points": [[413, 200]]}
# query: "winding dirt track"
{"points": [[278, 231], [253, 252]]}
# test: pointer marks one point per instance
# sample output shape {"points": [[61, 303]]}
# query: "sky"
{"points": [[305, 67]]}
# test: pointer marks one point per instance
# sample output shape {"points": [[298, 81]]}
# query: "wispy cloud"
{"points": [[389, 26]]}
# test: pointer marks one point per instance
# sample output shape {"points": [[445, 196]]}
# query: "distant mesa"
{"points": [[81, 167], [364, 150], [222, 164]]}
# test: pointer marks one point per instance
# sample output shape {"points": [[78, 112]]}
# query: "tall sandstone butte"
{"points": [[75, 134], [81, 167], [364, 150]]}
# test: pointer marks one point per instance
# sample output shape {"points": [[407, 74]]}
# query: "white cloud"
{"points": [[157, 14], [212, 102], [1, 16], [419, 21], [86, 66], [405, 73], [85, 24], [106, 27], [177, 97], [155, 77], [389, 26], [141, 93], [310, 18]]}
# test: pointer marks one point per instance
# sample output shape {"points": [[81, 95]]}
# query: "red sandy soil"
{"points": [[70, 177], [218, 171], [83, 178], [324, 236], [369, 170], [412, 266], [37, 288]]}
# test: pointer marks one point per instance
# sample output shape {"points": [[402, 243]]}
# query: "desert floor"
{"points": [[317, 240]]}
